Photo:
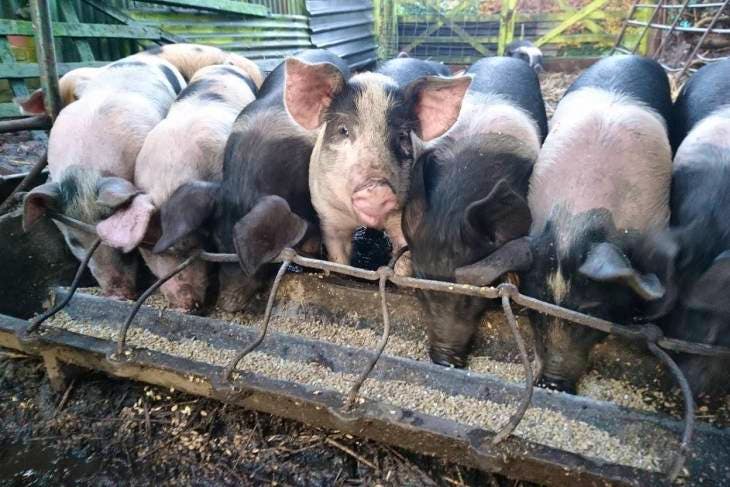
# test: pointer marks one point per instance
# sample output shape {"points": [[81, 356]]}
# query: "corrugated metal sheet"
{"points": [[345, 28]]}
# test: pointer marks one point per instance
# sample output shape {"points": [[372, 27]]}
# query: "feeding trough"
{"points": [[319, 364]]}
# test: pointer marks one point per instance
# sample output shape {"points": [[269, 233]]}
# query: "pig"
{"points": [[599, 189], [695, 252], [92, 149], [189, 58], [262, 204], [468, 197], [186, 146], [67, 87], [526, 51], [362, 160]]}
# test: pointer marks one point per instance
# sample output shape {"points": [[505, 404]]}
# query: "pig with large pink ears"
{"points": [[361, 164]]}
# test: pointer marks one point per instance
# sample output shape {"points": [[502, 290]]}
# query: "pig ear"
{"points": [[37, 201], [501, 216], [437, 102], [33, 105], [514, 256], [265, 231], [127, 227], [660, 252], [186, 211], [709, 293], [309, 90], [113, 192], [607, 263]]}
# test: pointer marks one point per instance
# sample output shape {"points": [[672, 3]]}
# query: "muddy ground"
{"points": [[19, 151], [105, 432]]}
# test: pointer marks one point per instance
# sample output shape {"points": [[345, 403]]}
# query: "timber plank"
{"points": [[229, 6], [31, 70], [66, 29]]}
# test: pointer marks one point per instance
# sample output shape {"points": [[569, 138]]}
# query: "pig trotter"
{"points": [[38, 320], [228, 371], [385, 273], [138, 304], [508, 290], [689, 405]]}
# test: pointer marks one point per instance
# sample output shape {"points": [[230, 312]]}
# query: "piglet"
{"points": [[695, 253], [468, 199], [362, 160], [186, 146], [599, 188], [92, 150], [262, 205]]}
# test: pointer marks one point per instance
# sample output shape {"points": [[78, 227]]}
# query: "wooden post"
{"points": [[571, 21], [41, 13], [507, 19]]}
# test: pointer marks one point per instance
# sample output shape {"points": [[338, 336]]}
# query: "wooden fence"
{"points": [[462, 33]]}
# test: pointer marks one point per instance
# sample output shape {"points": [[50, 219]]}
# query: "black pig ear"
{"points": [[514, 256], [607, 263], [261, 235], [37, 201], [186, 210], [309, 90], [437, 102], [499, 217], [709, 293]]}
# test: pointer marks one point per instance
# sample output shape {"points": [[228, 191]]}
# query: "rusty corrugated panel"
{"points": [[345, 28]]}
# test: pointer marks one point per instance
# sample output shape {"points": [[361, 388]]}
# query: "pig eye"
{"points": [[344, 132]]}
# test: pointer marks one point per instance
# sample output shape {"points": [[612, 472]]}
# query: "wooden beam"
{"points": [[16, 85], [83, 48], [31, 70], [507, 18], [228, 6], [67, 29], [119, 16], [571, 21]]}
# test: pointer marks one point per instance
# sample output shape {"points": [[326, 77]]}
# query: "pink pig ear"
{"points": [[437, 102], [33, 105], [127, 227], [309, 90]]}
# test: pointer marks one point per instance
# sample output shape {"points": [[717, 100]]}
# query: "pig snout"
{"points": [[236, 290], [373, 201], [118, 288], [447, 357], [183, 296]]}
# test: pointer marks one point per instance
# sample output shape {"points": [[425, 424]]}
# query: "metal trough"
{"points": [[378, 418]]}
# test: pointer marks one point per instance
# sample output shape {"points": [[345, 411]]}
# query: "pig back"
{"points": [[707, 91], [607, 151], [514, 81], [640, 78], [406, 70]]}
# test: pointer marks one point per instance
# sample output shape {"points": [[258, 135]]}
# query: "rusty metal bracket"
{"points": [[228, 371], [508, 290], [119, 354], [36, 322]]}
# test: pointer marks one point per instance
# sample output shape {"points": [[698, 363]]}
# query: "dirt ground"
{"points": [[19, 151], [104, 431]]}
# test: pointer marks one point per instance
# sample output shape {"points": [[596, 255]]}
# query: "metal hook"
{"points": [[385, 273], [138, 304], [38, 320], [228, 371], [506, 290], [689, 410]]}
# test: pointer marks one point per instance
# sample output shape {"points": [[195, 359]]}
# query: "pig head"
{"points": [[361, 163], [86, 195]]}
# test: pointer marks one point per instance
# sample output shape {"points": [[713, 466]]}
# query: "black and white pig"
{"points": [[526, 51], [186, 146], [262, 204], [599, 188], [696, 251], [92, 150], [362, 160], [469, 195]]}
